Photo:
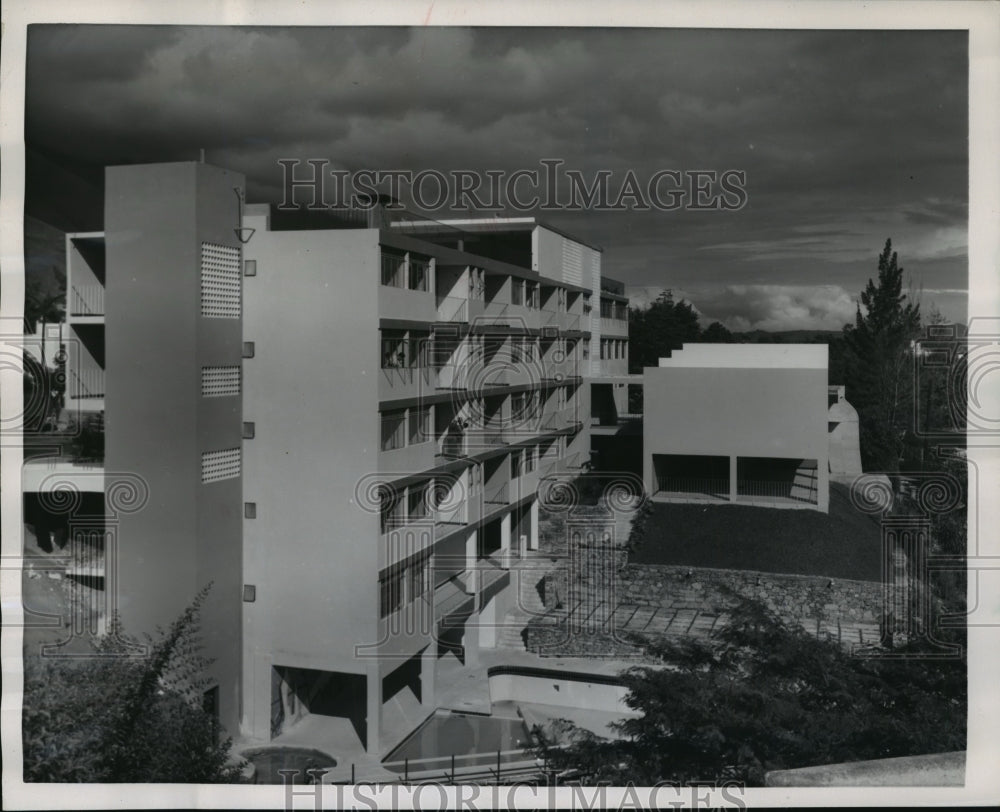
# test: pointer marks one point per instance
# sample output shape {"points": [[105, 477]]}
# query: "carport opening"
{"points": [[300, 692], [778, 478], [692, 474]]}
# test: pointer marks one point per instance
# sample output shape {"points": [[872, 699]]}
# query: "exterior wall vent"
{"points": [[219, 465], [220, 281], [219, 382]]}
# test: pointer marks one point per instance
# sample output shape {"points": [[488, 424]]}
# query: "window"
{"points": [[393, 430], [417, 502], [249, 348], [517, 291], [416, 578], [419, 344], [249, 510], [388, 509], [392, 269], [518, 406], [249, 430], [420, 425], [250, 267], [393, 349], [475, 479], [390, 594], [419, 272]]}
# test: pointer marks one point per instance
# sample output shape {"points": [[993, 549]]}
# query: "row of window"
{"points": [[422, 501], [613, 310], [402, 427], [402, 349], [614, 349], [407, 271], [412, 272], [404, 585]]}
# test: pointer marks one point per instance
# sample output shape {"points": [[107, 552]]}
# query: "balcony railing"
{"points": [[493, 436], [452, 308], [451, 446], [86, 383], [498, 496], [87, 300], [571, 322]]}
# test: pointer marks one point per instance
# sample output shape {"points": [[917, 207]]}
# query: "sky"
{"points": [[847, 138]]}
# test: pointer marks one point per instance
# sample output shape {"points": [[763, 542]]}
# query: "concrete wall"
{"points": [[312, 550], [701, 407], [158, 425]]}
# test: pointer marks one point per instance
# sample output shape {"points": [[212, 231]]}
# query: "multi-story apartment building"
{"points": [[342, 429]]}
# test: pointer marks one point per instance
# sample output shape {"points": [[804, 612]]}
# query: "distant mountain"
{"points": [[786, 336]]}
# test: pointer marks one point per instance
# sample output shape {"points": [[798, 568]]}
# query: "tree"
{"points": [[879, 364], [45, 301], [117, 717], [716, 333], [658, 329], [761, 696]]}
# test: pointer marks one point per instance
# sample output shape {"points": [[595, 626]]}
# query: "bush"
{"points": [[765, 696], [117, 717]]}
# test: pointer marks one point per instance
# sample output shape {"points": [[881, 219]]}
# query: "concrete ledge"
{"points": [[937, 770]]}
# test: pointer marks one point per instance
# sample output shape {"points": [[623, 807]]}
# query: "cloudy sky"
{"points": [[846, 137]]}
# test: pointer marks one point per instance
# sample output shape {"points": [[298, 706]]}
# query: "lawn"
{"points": [[842, 544]]}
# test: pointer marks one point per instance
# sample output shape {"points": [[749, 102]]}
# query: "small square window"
{"points": [[249, 593], [249, 429], [249, 267], [248, 349], [249, 510]]}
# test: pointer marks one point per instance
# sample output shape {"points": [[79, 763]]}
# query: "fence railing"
{"points": [[704, 486], [494, 436], [452, 308], [86, 383], [769, 489], [87, 300]]}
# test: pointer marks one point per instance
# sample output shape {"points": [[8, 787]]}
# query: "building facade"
{"points": [[741, 423], [343, 430]]}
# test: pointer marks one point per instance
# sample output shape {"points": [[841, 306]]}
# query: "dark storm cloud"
{"points": [[847, 137]]}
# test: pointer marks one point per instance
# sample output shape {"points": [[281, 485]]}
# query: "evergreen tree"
{"points": [[658, 329], [879, 364]]}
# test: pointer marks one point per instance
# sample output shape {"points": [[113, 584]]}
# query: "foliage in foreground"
{"points": [[764, 696], [120, 718]]}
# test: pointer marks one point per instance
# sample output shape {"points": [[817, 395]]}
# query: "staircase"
{"points": [[526, 575]]}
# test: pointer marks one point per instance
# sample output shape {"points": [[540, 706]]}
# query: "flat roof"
{"points": [[497, 225], [749, 356]]}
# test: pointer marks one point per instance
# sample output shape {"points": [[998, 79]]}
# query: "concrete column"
{"points": [[373, 721], [823, 485], [471, 567], [732, 479], [533, 539], [428, 661], [505, 541]]}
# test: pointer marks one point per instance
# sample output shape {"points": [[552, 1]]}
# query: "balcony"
{"points": [[451, 446], [86, 383], [452, 309], [86, 300], [496, 497], [404, 382]]}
